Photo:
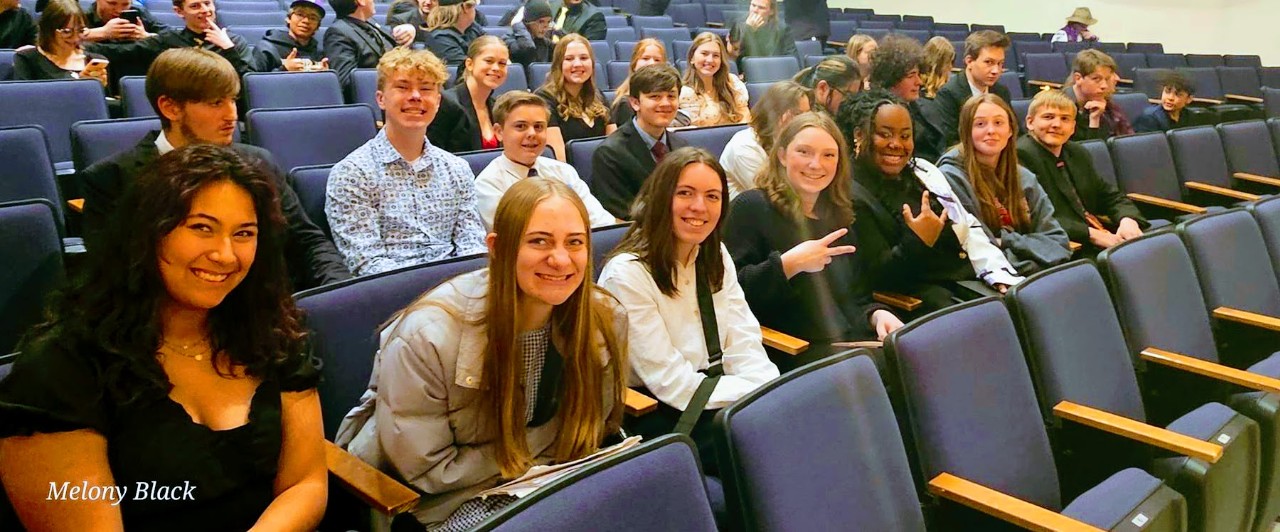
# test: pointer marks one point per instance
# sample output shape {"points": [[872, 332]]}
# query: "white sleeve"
{"points": [[744, 359], [595, 211], [1060, 36], [488, 192]]}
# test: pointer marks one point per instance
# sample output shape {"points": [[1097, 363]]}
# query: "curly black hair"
{"points": [[856, 119], [895, 57], [110, 312]]}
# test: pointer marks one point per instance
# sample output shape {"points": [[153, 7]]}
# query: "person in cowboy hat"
{"points": [[1077, 28]]}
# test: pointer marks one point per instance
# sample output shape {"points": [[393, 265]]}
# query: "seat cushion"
{"points": [[1106, 504], [715, 494], [1268, 367]]}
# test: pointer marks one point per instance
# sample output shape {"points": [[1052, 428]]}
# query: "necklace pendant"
{"points": [[199, 357]]}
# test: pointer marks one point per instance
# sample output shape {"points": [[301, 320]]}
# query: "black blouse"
{"points": [[456, 128], [574, 128], [152, 441], [30, 64]]}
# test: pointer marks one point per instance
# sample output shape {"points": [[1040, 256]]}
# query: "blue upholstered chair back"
{"points": [[1198, 155], [283, 133], [1144, 164], [95, 140], [1231, 259], [32, 266], [1249, 148], [275, 90]]}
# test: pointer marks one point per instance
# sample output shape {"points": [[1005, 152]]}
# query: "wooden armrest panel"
{"points": [[1126, 81], [1249, 380], [782, 342], [1074, 246], [896, 300], [1044, 83], [1168, 204], [1244, 176], [638, 404], [1213, 189], [1243, 98], [375, 488], [869, 344], [1006, 507], [1209, 101], [837, 44], [76, 204], [1247, 318], [1139, 431], [715, 24]]}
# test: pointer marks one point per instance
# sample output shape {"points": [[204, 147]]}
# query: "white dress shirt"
{"points": [[666, 346], [742, 158], [502, 172]]}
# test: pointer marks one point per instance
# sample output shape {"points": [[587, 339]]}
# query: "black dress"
{"points": [[30, 64], [574, 128], [228, 474]]}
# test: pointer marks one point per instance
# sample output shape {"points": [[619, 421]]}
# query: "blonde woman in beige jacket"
{"points": [[500, 369]]}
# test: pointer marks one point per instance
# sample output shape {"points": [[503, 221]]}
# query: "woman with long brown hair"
{"points": [[647, 52], [711, 95], [494, 371], [578, 109], [987, 179]]}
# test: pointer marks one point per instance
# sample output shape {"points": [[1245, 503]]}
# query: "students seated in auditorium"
{"points": [[530, 38], [294, 48], [578, 110], [745, 155], [58, 54], [354, 40], [896, 67], [17, 25], [711, 95], [520, 120], [1091, 84], [1077, 28], [408, 20], [984, 59], [519, 364], [1089, 208], [912, 234], [647, 52], [622, 163], [200, 31], [669, 256], [578, 16], [760, 34], [860, 48], [1176, 92], [174, 367], [793, 243], [194, 93], [939, 58], [464, 121], [398, 200], [105, 24], [832, 81], [984, 172], [450, 25]]}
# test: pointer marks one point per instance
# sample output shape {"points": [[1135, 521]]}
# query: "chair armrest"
{"points": [[868, 344], [1212, 370], [1247, 318], [1243, 98], [715, 24], [375, 488], [1139, 431], [1212, 189], [1005, 507], [1210, 101], [837, 44], [896, 300], [76, 204], [1126, 81], [1168, 204], [1244, 176], [1074, 246], [638, 404], [679, 25], [1043, 83], [782, 342]]}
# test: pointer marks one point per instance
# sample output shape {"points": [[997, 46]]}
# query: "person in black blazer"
{"points": [[625, 159], [458, 127], [984, 53], [579, 17], [895, 67], [807, 19], [1092, 210], [792, 241], [311, 257], [653, 8], [354, 40]]}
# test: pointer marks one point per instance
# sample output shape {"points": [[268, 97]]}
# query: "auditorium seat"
{"points": [[1266, 212], [279, 131], [1023, 36], [1021, 106], [1240, 81], [1128, 62], [1046, 70], [1101, 157], [603, 240], [276, 90], [769, 69], [616, 21], [1162, 60], [1204, 60], [916, 25], [230, 18], [951, 35], [517, 80], [1130, 103], [807, 48], [617, 72], [579, 155], [1148, 81], [1251, 61], [1071, 48], [254, 34], [1147, 174], [28, 170], [691, 15], [613, 35], [364, 89], [133, 96], [1209, 90], [712, 139], [1200, 159], [32, 267], [875, 25], [310, 183], [659, 21], [1146, 48], [54, 106], [841, 30], [249, 7], [921, 36], [951, 26], [1249, 148], [755, 90], [6, 64], [1271, 101], [1111, 48], [1270, 76], [715, 12], [998, 28], [1011, 81], [667, 35], [1020, 50], [95, 140]]}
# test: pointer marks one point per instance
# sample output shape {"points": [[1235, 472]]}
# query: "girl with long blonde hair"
{"points": [[711, 95], [578, 109]]}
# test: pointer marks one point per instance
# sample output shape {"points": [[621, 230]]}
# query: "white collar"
{"points": [[162, 144]]}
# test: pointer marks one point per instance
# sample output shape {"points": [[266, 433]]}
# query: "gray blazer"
{"points": [[421, 419]]}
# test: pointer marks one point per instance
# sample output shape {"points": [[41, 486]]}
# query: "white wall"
{"points": [[1184, 26]]}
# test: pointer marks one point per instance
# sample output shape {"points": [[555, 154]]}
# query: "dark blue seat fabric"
{"points": [[1131, 104], [691, 15], [1051, 67], [27, 102], [668, 36], [27, 171], [616, 21], [1249, 148], [1071, 48], [756, 90], [1146, 48], [603, 240], [807, 48], [95, 140], [32, 266], [254, 34], [364, 89], [857, 474], [1107, 505], [1240, 81], [345, 127], [1148, 80], [655, 21], [1231, 259], [1163, 60], [1101, 157], [249, 19], [919, 35], [617, 72], [769, 69], [603, 51], [657, 485], [344, 319], [579, 155], [712, 139], [613, 35], [275, 90], [1198, 155], [6, 64], [1204, 60], [1111, 48], [1267, 213], [1020, 109], [841, 30], [517, 80], [680, 49], [1271, 102], [1144, 164], [1251, 61], [310, 182], [1011, 81], [133, 95], [1128, 62], [875, 25]]}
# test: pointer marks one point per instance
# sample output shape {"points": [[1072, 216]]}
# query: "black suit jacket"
{"points": [[1097, 196], [652, 8], [586, 20], [311, 257], [951, 98], [456, 128], [621, 165], [807, 19], [350, 47], [928, 136]]}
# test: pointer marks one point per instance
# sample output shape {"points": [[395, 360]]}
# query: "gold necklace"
{"points": [[186, 350]]}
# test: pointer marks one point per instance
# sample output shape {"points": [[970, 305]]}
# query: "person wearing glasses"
{"points": [[294, 48], [833, 80], [58, 54]]}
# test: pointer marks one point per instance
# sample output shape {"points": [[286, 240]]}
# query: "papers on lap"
{"points": [[539, 476]]}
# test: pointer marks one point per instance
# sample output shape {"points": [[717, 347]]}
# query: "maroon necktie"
{"points": [[659, 150]]}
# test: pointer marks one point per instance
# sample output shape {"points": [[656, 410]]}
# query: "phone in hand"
{"points": [[131, 15], [96, 64]]}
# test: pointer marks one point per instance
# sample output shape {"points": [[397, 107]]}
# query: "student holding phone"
{"points": [[116, 21], [58, 54]]}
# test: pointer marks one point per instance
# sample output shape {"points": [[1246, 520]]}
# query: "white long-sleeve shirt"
{"points": [[667, 348], [742, 159], [502, 172]]}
